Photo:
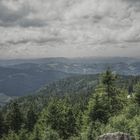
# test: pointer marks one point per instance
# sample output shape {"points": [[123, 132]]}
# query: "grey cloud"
{"points": [[133, 1], [10, 17], [18, 17], [36, 41], [69, 24], [134, 40], [97, 18], [31, 22]]}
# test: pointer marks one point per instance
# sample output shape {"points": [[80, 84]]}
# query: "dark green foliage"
{"points": [[97, 109], [60, 116], [105, 102], [137, 94], [2, 124], [36, 134], [31, 119], [23, 135], [108, 81], [15, 118], [115, 95], [75, 109], [11, 136]]}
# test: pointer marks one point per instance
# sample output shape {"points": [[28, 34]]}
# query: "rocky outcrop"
{"points": [[115, 136]]}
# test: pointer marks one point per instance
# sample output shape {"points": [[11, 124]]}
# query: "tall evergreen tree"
{"points": [[31, 119], [109, 82], [137, 93], [15, 117], [105, 101], [2, 125], [61, 118]]}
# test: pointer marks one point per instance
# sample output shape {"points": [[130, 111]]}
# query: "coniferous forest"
{"points": [[62, 111]]}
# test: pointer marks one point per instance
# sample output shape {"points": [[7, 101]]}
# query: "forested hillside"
{"points": [[76, 87], [24, 77], [104, 103], [21, 82]]}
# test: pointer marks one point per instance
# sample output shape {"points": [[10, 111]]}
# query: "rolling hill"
{"points": [[21, 82], [23, 77]]}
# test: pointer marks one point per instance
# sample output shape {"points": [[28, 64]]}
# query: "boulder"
{"points": [[116, 136]]}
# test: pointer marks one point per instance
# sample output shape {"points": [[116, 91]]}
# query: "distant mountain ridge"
{"points": [[125, 66], [4, 62], [23, 77]]}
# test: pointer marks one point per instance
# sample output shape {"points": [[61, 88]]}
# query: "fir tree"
{"points": [[137, 94], [2, 125], [31, 119], [15, 118]]}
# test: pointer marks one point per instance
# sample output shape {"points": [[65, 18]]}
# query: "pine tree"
{"points": [[97, 110], [109, 80], [2, 125], [15, 118], [31, 119], [61, 118], [137, 94], [105, 101]]}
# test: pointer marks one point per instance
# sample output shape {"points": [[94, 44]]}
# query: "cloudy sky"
{"points": [[69, 28]]}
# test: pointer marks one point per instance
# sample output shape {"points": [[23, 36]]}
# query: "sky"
{"points": [[69, 28]]}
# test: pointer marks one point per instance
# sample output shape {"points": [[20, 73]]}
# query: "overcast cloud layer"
{"points": [[69, 28]]}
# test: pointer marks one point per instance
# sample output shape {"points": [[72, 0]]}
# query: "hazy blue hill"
{"points": [[82, 60], [21, 77], [19, 82], [125, 66], [75, 86]]}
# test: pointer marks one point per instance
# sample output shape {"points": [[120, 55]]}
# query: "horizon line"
{"points": [[82, 57]]}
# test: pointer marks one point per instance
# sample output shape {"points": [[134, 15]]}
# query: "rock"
{"points": [[116, 136]]}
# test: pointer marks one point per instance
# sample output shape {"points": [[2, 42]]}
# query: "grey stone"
{"points": [[116, 136]]}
